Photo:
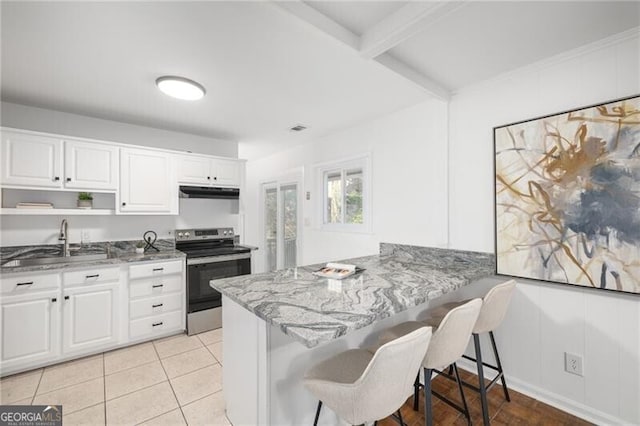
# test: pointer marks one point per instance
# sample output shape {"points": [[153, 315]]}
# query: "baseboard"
{"points": [[572, 407]]}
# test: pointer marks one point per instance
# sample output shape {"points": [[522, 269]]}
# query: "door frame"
{"points": [[288, 178]]}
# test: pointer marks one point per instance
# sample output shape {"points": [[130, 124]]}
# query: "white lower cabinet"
{"points": [[90, 309], [90, 317], [30, 329], [149, 306], [148, 287], [56, 316], [156, 324], [156, 299]]}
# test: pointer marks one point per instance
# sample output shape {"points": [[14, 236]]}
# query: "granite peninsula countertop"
{"points": [[117, 252], [401, 277]]}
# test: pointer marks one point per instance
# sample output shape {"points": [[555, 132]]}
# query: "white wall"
{"points": [[46, 120], [546, 320], [408, 155], [410, 186], [24, 230]]}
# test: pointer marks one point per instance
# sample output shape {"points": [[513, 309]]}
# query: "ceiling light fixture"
{"points": [[180, 87], [298, 128]]}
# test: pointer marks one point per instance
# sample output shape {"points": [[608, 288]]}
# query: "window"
{"points": [[345, 195]]}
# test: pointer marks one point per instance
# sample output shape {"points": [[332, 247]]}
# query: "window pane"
{"points": [[334, 197], [290, 223], [353, 196], [271, 227]]}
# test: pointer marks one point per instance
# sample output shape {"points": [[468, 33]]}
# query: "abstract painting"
{"points": [[567, 200]]}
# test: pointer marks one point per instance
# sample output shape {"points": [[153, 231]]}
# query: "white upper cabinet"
{"points": [[90, 166], [147, 182], [38, 161], [225, 172], [31, 160], [207, 171], [194, 170], [144, 180]]}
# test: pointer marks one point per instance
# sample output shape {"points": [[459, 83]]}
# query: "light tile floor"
{"points": [[171, 381]]}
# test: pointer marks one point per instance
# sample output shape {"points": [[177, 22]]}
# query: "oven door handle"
{"points": [[217, 259]]}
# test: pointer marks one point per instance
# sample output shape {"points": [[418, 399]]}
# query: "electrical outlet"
{"points": [[85, 236], [573, 363]]}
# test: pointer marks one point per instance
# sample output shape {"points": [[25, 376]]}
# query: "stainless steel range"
{"points": [[211, 254]]}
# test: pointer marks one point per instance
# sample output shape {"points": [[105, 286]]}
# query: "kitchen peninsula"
{"points": [[278, 324]]}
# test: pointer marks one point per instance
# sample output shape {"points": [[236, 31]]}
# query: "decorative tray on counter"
{"points": [[338, 271]]}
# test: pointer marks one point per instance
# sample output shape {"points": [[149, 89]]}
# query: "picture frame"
{"points": [[567, 197]]}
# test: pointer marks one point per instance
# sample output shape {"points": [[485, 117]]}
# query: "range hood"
{"points": [[209, 192]]}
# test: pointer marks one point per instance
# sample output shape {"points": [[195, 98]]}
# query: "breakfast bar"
{"points": [[279, 324]]}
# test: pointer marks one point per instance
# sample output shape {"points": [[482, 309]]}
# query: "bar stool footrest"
{"points": [[448, 402], [444, 398], [488, 387], [470, 358]]}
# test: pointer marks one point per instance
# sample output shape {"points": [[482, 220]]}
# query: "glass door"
{"points": [[289, 225], [280, 225], [271, 227]]}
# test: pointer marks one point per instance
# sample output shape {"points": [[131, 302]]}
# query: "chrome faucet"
{"points": [[64, 237]]}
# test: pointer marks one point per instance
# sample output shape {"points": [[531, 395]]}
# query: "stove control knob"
{"points": [[225, 232], [186, 235], [230, 231], [179, 234]]}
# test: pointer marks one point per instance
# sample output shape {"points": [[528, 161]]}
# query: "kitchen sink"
{"points": [[50, 260]]}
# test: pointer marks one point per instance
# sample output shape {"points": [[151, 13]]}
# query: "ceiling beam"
{"points": [[311, 16], [325, 24], [403, 24], [414, 76]]}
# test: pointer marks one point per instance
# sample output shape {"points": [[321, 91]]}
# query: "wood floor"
{"points": [[522, 410]]}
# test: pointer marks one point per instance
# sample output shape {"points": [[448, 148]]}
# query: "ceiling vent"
{"points": [[298, 128]]}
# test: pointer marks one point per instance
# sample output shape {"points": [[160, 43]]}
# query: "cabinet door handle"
{"points": [[56, 178], [155, 324], [124, 204], [54, 300], [209, 177], [68, 179], [66, 298], [25, 283], [157, 285], [158, 269], [215, 178], [92, 276], [157, 305]]}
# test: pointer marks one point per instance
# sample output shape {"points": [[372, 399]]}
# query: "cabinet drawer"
{"points": [[19, 284], [91, 276], [157, 324], [155, 269], [155, 286], [156, 305]]}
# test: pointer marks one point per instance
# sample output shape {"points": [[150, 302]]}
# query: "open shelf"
{"points": [[64, 203], [53, 212]]}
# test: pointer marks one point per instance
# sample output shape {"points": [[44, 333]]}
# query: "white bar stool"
{"points": [[447, 345], [362, 387], [494, 308]]}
